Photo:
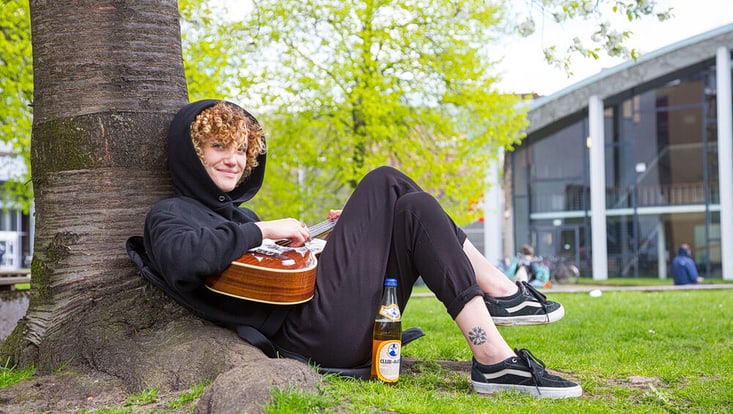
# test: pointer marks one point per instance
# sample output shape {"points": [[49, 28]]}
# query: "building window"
{"points": [[557, 174]]}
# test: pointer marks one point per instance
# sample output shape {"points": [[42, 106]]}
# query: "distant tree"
{"points": [[16, 95], [345, 86], [209, 50], [605, 37]]}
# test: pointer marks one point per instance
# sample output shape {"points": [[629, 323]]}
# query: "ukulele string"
{"points": [[316, 229], [322, 227]]}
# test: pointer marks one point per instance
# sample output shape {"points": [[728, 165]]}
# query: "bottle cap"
{"points": [[390, 282]]}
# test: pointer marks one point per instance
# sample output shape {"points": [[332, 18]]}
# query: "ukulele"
{"points": [[274, 272]]}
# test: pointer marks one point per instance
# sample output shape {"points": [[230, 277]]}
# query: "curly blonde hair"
{"points": [[228, 124]]}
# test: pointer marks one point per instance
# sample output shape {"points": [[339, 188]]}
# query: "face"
{"points": [[225, 164]]}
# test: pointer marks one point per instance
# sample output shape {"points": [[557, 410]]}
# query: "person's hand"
{"points": [[333, 214], [285, 229]]}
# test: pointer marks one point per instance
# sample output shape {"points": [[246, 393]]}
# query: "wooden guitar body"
{"points": [[273, 272], [285, 277]]}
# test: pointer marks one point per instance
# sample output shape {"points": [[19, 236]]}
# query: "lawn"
{"points": [[632, 351], [642, 352]]}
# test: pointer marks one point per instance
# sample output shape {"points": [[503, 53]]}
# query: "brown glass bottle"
{"points": [[387, 336]]}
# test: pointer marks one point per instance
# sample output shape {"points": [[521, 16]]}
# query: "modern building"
{"points": [[16, 227], [620, 169]]}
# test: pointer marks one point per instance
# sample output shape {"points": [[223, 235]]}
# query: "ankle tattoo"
{"points": [[477, 336]]}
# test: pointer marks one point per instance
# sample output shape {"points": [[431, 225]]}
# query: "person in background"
{"points": [[684, 270], [528, 259]]}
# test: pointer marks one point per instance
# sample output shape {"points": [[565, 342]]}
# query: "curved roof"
{"points": [[628, 76]]}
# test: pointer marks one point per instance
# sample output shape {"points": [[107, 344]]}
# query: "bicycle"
{"points": [[563, 270]]}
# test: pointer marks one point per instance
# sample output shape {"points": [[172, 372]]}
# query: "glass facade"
{"points": [[661, 172], [15, 240]]}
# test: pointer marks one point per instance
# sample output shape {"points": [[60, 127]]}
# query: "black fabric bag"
{"points": [[136, 250]]}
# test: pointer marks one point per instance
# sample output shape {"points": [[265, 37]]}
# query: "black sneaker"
{"points": [[522, 373], [526, 307]]}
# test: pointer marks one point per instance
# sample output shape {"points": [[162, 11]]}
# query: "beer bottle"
{"points": [[387, 336]]}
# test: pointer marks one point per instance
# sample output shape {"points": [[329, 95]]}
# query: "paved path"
{"points": [[650, 288], [582, 288]]}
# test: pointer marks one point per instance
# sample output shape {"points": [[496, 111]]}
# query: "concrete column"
{"points": [[493, 214], [597, 188], [725, 158], [661, 250]]}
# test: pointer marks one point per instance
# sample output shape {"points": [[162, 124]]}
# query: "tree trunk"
{"points": [[108, 78]]}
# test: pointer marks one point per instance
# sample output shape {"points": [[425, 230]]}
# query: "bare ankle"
{"points": [[493, 358]]}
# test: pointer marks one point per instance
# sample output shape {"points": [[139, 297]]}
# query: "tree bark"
{"points": [[108, 78]]}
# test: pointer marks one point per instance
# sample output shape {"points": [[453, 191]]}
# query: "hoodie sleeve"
{"points": [[692, 274], [187, 244]]}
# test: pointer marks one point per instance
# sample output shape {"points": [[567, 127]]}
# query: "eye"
{"points": [[242, 149], [217, 145]]}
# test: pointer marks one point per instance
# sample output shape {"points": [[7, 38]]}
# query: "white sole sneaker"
{"points": [[542, 319]]}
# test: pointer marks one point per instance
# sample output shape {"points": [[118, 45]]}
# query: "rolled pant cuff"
{"points": [[456, 306]]}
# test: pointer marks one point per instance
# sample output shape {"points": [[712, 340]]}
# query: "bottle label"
{"points": [[388, 360], [391, 312]]}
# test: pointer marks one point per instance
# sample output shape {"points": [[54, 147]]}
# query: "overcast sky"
{"points": [[523, 69]]}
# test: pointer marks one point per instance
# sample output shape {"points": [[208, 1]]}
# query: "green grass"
{"points": [[140, 402], [23, 286], [614, 281], [9, 375], [646, 352], [189, 397], [134, 403], [632, 351]]}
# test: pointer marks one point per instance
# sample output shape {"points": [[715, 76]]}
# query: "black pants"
{"points": [[388, 228]]}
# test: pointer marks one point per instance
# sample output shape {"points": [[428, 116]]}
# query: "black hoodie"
{"points": [[200, 231]]}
